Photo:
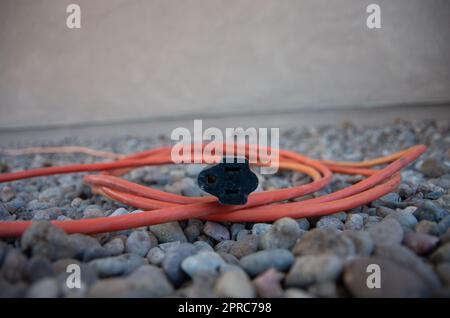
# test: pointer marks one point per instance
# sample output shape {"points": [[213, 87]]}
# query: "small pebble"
{"points": [[420, 243], [443, 270], [248, 245], [117, 265], [303, 224], [329, 222], [92, 211], [257, 263], [324, 241], [216, 231], [43, 238], [44, 288], [156, 255], [362, 242], [283, 234], [405, 217], [38, 267], [13, 266], [313, 269], [234, 284], [235, 229], [268, 284], [389, 231], [427, 227], [7, 194], [260, 228], [224, 246], [168, 232], [354, 222], [172, 261], [115, 246], [430, 212], [203, 264], [111, 288], [442, 254], [149, 281]]}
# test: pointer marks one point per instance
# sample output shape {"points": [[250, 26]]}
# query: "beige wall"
{"points": [[159, 59]]}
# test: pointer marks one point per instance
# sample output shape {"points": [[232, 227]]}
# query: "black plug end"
{"points": [[231, 181]]}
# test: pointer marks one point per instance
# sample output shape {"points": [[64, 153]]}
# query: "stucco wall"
{"points": [[158, 59]]}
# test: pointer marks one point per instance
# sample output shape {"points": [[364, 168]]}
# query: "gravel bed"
{"points": [[406, 233]]}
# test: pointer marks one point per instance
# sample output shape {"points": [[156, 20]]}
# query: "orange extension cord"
{"points": [[164, 207]]}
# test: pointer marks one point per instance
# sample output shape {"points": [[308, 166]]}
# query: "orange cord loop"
{"points": [[161, 207]]}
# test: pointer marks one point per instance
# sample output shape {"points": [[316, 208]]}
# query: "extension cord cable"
{"points": [[162, 207]]}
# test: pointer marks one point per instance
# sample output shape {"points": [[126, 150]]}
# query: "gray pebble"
{"points": [[313, 269], [117, 265], [193, 231], [430, 212], [341, 216], [224, 246], [329, 222], [115, 246], [216, 231], [43, 238], [140, 242], [7, 194], [13, 266], [150, 281], [405, 217], [234, 284], [38, 267], [92, 211], [420, 243], [53, 194], [203, 246], [324, 241], [383, 211], [444, 225], [283, 234], [296, 293], [389, 231], [119, 211], [167, 247], [443, 270], [354, 222], [203, 264], [442, 254], [242, 234], [87, 247], [168, 232], [257, 263], [362, 242], [44, 288], [391, 200], [156, 255], [235, 229], [173, 260], [303, 224], [246, 246], [260, 228], [327, 289], [111, 288], [433, 168], [268, 284], [44, 215], [427, 227]]}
